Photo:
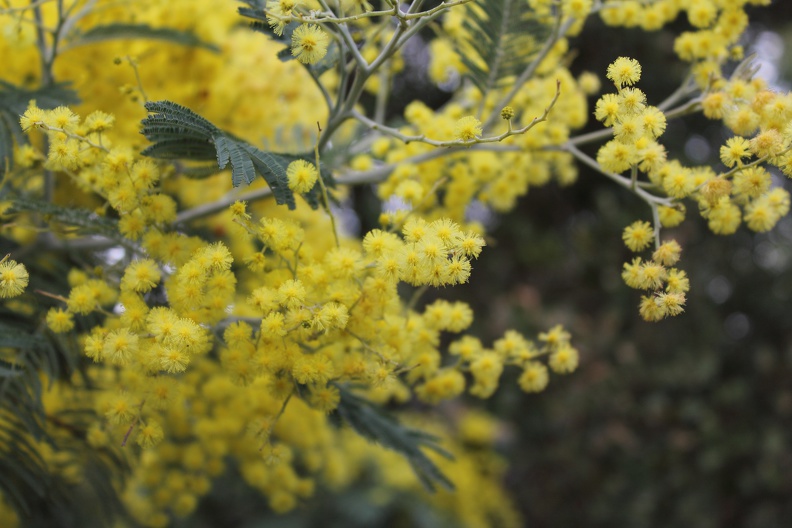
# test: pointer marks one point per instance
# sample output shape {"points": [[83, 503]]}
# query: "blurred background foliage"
{"points": [[686, 422]]}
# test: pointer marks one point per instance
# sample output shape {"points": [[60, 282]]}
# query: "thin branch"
{"points": [[621, 180], [375, 175], [459, 142], [590, 137], [686, 88]]}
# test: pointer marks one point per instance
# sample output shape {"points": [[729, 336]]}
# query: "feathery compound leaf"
{"points": [[168, 111], [502, 37], [141, 31], [180, 133], [241, 164], [177, 148], [15, 99], [374, 424], [272, 168], [86, 221]]}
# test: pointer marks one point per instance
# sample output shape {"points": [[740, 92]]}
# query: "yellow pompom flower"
{"points": [[301, 175], [564, 360], [768, 143], [677, 281], [59, 320], [735, 149], [309, 43], [607, 109], [652, 276], [714, 189], [63, 118], [120, 346], [120, 410], [650, 309], [714, 104], [672, 303], [576, 8], [149, 434], [99, 121], [615, 156], [13, 278], [141, 276], [32, 117], [631, 274], [702, 13], [467, 128], [671, 216], [325, 399], [624, 71], [668, 253], [534, 378], [277, 9], [724, 217], [638, 235]]}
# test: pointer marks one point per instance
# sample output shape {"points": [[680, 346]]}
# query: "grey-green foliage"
{"points": [[84, 221], [13, 103], [376, 425], [504, 36], [31, 485], [140, 31], [180, 133]]}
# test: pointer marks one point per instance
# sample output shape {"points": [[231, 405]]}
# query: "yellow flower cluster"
{"points": [[80, 149], [231, 347], [666, 285], [758, 117], [636, 125], [718, 25], [496, 179]]}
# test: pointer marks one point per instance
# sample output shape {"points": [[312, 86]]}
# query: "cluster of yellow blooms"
{"points": [[234, 349], [756, 112], [231, 337]]}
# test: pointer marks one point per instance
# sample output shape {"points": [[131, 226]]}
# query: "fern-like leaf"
{"points": [[85, 221], [503, 36], [141, 31], [375, 425], [180, 133]]}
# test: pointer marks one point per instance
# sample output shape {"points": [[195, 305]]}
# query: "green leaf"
{"points": [[197, 172], [176, 148], [503, 37], [15, 99], [376, 425], [141, 31], [241, 164], [272, 168], [170, 112], [87, 222], [180, 133]]}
